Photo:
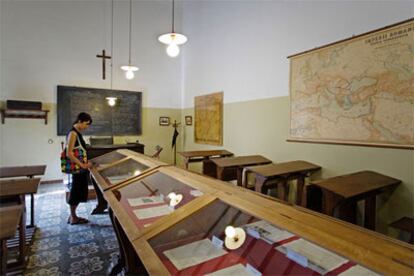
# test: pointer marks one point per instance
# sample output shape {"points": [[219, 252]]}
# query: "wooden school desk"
{"points": [[279, 174], [202, 156], [346, 190], [10, 214], [19, 188], [231, 168], [24, 171]]}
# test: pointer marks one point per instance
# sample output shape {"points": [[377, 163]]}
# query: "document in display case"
{"points": [[171, 221], [193, 247]]}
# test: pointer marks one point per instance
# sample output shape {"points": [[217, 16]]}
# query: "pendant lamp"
{"points": [[130, 69], [173, 39]]}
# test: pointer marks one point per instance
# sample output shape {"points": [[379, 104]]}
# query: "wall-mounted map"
{"points": [[356, 91], [208, 117]]}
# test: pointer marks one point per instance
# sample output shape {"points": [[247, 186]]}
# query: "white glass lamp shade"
{"points": [[129, 71], [175, 38]]}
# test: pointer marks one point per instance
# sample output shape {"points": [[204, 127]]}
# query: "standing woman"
{"points": [[79, 186]]}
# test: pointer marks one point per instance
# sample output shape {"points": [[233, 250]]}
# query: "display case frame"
{"points": [[131, 230], [142, 159], [361, 246]]}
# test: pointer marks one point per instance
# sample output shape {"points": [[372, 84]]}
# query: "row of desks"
{"points": [[342, 192], [16, 183]]}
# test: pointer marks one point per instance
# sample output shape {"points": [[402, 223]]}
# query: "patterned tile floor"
{"points": [[63, 249]]}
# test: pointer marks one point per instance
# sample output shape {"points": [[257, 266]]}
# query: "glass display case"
{"points": [[125, 166], [108, 159], [141, 202], [171, 221], [201, 244]]}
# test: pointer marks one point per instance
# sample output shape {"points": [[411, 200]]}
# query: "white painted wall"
{"points": [[45, 43], [240, 47]]}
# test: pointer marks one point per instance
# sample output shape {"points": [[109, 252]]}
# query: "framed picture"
{"points": [[188, 120], [164, 121]]}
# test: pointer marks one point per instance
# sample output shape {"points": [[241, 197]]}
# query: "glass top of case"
{"points": [[123, 171], [107, 158], [203, 244], [154, 196]]}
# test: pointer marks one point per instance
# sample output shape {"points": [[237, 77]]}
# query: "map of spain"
{"points": [[357, 91]]}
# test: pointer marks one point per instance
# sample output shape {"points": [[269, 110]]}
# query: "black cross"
{"points": [[103, 57]]}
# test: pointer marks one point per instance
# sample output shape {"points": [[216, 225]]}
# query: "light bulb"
{"points": [[230, 231], [111, 101], [173, 50], [129, 74]]}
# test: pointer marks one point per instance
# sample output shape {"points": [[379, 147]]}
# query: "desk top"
{"points": [[358, 183], [18, 171], [205, 153], [115, 147], [10, 217], [241, 161], [284, 168], [19, 186]]}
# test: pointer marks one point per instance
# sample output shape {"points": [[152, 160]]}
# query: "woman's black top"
{"points": [[80, 138]]}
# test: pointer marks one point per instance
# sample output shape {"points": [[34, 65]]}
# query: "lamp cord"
{"points": [[112, 40], [130, 30], [173, 29]]}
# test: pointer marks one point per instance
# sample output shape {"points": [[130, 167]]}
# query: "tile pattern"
{"points": [[63, 249]]}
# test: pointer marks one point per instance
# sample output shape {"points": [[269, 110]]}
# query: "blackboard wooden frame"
{"points": [[125, 118]]}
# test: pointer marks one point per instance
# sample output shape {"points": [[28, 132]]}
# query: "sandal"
{"points": [[79, 221]]}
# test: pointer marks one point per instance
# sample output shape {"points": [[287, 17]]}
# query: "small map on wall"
{"points": [[356, 91], [208, 117]]}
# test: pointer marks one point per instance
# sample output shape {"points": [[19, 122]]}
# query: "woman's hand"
{"points": [[86, 165]]}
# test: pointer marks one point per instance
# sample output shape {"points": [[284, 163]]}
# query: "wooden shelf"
{"points": [[23, 114]]}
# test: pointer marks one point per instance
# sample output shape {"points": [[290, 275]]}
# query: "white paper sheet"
{"points": [[267, 232], [358, 270], [152, 212], [196, 193], [319, 259], [236, 270], [139, 201], [193, 253]]}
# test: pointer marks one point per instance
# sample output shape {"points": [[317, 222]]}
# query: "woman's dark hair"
{"points": [[83, 117]]}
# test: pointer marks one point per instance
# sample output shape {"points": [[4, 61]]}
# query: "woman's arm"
{"points": [[69, 151]]}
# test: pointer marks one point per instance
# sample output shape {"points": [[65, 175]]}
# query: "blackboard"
{"points": [[125, 118]]}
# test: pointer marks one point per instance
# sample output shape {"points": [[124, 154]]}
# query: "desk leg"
{"points": [[220, 173], [281, 190], [3, 257], [370, 213], [239, 176], [31, 210], [22, 236], [299, 190], [186, 161], [329, 202], [260, 184]]}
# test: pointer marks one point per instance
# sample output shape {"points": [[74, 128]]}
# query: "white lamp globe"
{"points": [[129, 74], [173, 50], [230, 232]]}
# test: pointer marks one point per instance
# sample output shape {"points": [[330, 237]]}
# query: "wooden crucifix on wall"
{"points": [[103, 57]]}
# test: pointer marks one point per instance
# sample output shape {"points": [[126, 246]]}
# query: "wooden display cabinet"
{"points": [[279, 238], [109, 174]]}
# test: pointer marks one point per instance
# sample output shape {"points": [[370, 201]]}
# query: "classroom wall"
{"points": [[244, 45], [48, 43]]}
